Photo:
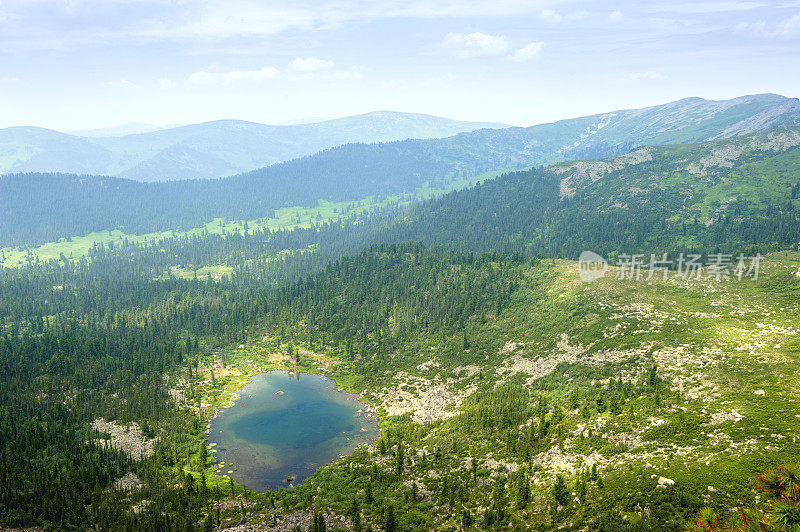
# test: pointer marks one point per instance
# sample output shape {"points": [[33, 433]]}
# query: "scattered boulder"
{"points": [[663, 482], [129, 482]]}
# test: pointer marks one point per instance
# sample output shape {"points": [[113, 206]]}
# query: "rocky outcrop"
{"points": [[126, 438]]}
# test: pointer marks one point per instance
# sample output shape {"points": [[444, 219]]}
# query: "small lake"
{"points": [[287, 425]]}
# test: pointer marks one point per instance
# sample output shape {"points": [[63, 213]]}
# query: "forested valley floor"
{"points": [[510, 393]]}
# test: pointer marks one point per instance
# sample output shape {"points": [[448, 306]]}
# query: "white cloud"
{"points": [[786, 29], [9, 79], [527, 53], [458, 8], [616, 16], [298, 69], [475, 44], [48, 24], [790, 27], [226, 19], [309, 65], [234, 76], [649, 75], [578, 15], [550, 16], [165, 83], [758, 28]]}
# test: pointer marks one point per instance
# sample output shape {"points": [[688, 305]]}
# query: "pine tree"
{"points": [[390, 521], [580, 487], [203, 455], [466, 519], [560, 491], [355, 515], [399, 459], [523, 491]]}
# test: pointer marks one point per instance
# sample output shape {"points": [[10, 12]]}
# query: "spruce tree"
{"points": [[390, 521], [399, 459], [560, 491]]}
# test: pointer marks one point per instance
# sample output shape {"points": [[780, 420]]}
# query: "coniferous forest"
{"points": [[509, 393], [386, 266]]}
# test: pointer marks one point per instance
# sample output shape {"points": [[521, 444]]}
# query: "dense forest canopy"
{"points": [[460, 298]]}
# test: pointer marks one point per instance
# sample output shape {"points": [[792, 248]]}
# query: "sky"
{"points": [[81, 64]]}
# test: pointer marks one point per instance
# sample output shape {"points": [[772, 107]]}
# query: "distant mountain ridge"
{"points": [[131, 128], [734, 194], [617, 132], [210, 149], [44, 207]]}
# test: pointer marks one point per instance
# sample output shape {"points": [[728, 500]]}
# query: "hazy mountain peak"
{"points": [[122, 130], [210, 149]]}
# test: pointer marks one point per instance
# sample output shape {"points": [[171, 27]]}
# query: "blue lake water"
{"points": [[266, 437]]}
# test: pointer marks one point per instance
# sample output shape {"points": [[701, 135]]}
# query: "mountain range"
{"points": [[510, 394], [207, 150], [45, 207], [227, 147]]}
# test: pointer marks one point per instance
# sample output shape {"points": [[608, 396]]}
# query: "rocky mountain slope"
{"points": [[733, 192]]}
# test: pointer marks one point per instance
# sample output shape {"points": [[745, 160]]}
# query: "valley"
{"points": [[385, 266], [507, 392], [674, 393]]}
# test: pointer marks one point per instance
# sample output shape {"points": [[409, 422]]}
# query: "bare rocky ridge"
{"points": [[584, 173], [779, 115], [723, 154], [301, 519], [726, 155], [129, 482], [434, 399]]}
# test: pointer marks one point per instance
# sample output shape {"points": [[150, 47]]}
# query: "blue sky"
{"points": [[78, 64]]}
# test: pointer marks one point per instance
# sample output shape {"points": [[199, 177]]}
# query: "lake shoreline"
{"points": [[256, 448], [372, 410]]}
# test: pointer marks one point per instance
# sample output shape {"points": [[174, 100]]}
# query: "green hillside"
{"points": [[733, 194], [736, 195], [510, 393]]}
